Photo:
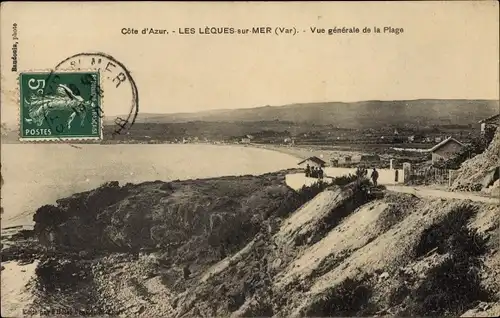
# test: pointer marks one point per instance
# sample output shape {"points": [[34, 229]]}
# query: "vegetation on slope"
{"points": [[250, 246], [218, 215], [472, 172]]}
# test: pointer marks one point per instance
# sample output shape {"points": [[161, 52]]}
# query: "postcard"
{"points": [[250, 159]]}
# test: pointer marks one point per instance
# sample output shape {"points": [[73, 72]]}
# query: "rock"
{"points": [[259, 243], [384, 275], [186, 272], [483, 306], [276, 263], [139, 310]]}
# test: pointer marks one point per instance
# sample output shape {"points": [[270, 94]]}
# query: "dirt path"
{"points": [[427, 192]]}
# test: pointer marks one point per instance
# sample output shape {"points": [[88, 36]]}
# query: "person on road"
{"points": [[308, 171], [374, 176]]}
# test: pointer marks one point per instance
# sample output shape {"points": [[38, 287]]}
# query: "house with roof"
{"points": [[446, 149], [492, 121], [312, 162]]}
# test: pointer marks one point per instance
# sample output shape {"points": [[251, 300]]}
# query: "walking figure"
{"points": [[374, 176], [308, 171]]}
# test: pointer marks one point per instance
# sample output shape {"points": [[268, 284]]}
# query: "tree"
{"points": [[48, 216]]}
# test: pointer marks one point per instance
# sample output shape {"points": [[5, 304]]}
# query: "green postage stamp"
{"points": [[60, 106]]}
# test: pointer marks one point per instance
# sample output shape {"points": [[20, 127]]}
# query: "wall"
{"points": [[436, 157], [385, 176], [297, 180]]}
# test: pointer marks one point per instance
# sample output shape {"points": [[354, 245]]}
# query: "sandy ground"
{"points": [[302, 152], [15, 292]]}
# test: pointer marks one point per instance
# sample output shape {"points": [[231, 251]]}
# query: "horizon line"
{"points": [[319, 102], [298, 103]]}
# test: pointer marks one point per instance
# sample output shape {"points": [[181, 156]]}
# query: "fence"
{"points": [[431, 175]]}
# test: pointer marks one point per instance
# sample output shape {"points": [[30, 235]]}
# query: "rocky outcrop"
{"points": [[473, 171]]}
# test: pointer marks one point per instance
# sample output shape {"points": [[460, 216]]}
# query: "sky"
{"points": [[447, 51]]}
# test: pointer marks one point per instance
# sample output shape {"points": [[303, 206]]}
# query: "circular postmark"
{"points": [[93, 75]]}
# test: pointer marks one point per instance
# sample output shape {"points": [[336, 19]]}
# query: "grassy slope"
{"points": [[400, 255]]}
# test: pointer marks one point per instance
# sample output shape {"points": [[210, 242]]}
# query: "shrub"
{"points": [[453, 286], [306, 193], [350, 298], [48, 216], [345, 180]]}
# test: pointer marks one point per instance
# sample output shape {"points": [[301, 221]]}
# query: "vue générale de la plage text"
{"points": [[263, 30]]}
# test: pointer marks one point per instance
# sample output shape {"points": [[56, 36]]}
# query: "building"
{"points": [[369, 158], [245, 140], [446, 149], [344, 160], [492, 121], [312, 162]]}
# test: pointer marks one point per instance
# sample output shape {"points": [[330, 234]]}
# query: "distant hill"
{"points": [[367, 114]]}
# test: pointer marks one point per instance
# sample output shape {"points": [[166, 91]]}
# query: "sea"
{"points": [[38, 174]]}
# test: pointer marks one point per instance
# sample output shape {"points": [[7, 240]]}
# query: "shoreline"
{"points": [[303, 152], [296, 154]]}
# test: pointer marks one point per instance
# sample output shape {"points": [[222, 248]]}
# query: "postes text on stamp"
{"points": [[60, 105]]}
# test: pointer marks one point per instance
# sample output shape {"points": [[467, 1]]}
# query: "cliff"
{"points": [[473, 171], [251, 246]]}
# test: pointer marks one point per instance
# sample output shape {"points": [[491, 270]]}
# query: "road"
{"points": [[297, 180], [428, 192]]}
